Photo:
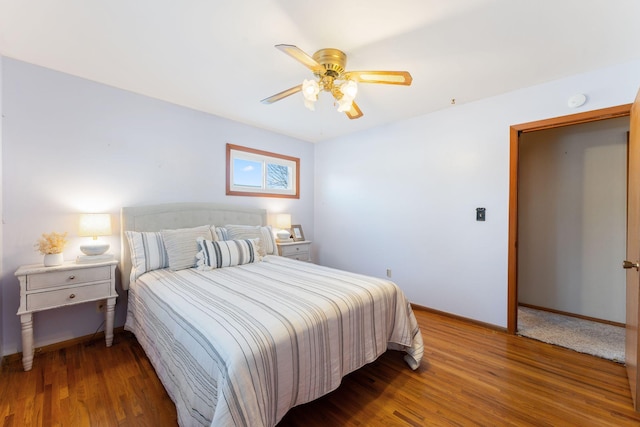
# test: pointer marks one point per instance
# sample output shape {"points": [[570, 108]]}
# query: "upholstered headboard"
{"points": [[179, 215]]}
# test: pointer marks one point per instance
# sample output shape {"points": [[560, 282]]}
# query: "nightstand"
{"points": [[44, 288], [296, 250]]}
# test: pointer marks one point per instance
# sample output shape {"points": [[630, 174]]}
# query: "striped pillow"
{"points": [[218, 254], [264, 233], [147, 252], [220, 233], [182, 246]]}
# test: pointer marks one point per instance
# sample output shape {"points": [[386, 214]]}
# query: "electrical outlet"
{"points": [[100, 306], [389, 273]]}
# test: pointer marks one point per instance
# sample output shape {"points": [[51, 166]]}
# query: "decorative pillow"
{"points": [[182, 246], [147, 252], [221, 233], [218, 254], [264, 233]]}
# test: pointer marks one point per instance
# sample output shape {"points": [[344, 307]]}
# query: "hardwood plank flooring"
{"points": [[86, 384], [470, 375]]}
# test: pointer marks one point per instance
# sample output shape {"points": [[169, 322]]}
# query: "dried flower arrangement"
{"points": [[52, 243]]}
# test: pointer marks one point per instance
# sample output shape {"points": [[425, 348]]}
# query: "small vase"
{"points": [[51, 260]]}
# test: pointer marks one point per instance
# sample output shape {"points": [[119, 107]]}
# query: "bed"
{"points": [[242, 335]]}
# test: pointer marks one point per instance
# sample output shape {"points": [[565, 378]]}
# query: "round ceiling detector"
{"points": [[577, 100]]}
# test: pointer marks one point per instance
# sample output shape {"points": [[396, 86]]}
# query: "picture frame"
{"points": [[296, 233]]}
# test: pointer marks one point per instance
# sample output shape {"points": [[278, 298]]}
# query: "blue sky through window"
{"points": [[247, 173]]}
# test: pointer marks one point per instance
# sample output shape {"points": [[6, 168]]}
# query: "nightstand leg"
{"points": [[26, 321], [109, 314]]}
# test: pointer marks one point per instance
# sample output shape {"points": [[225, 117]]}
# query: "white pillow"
{"points": [[147, 252], [264, 233], [182, 246], [218, 254]]}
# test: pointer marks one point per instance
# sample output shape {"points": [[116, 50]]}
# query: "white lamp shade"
{"points": [[94, 225], [283, 221]]}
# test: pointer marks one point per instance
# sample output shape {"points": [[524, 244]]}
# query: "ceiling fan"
{"points": [[328, 65]]}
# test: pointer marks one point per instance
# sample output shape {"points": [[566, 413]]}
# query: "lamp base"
{"points": [[96, 247], [91, 259], [283, 235]]}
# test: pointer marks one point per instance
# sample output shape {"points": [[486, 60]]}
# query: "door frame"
{"points": [[514, 138]]}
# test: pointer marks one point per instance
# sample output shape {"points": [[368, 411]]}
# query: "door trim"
{"points": [[514, 138]]}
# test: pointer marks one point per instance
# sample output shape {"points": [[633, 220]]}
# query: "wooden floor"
{"points": [[470, 375]]}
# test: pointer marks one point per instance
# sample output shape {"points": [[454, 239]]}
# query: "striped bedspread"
{"points": [[240, 346]]}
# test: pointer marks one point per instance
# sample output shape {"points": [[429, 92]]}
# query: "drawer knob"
{"points": [[72, 277], [72, 296], [297, 249]]}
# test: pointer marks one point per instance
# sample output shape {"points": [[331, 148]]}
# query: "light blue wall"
{"points": [[401, 196], [72, 145], [404, 196]]}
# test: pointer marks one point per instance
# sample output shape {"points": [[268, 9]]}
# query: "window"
{"points": [[253, 172]]}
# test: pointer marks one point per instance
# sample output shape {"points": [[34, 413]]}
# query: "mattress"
{"points": [[240, 346]]}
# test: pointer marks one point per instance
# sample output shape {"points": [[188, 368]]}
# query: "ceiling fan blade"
{"points": [[383, 77], [281, 95], [354, 112], [302, 57]]}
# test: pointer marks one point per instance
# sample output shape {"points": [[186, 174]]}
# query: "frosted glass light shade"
{"points": [[94, 225], [349, 89], [310, 90]]}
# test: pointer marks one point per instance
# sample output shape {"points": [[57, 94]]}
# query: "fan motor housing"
{"points": [[333, 60]]}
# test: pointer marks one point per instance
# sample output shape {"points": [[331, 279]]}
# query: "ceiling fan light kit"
{"points": [[310, 91], [328, 66]]}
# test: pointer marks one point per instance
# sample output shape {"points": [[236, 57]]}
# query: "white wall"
{"points": [[572, 203], [403, 196], [70, 146]]}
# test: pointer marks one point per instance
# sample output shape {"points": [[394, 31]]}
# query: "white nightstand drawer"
{"points": [[66, 296], [68, 277], [300, 251], [294, 250], [302, 256]]}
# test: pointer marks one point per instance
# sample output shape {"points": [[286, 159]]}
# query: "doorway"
{"points": [[572, 219], [515, 133]]}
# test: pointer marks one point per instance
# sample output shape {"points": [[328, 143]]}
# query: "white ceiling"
{"points": [[219, 56]]}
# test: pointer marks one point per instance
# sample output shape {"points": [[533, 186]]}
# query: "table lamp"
{"points": [[94, 225], [283, 222]]}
